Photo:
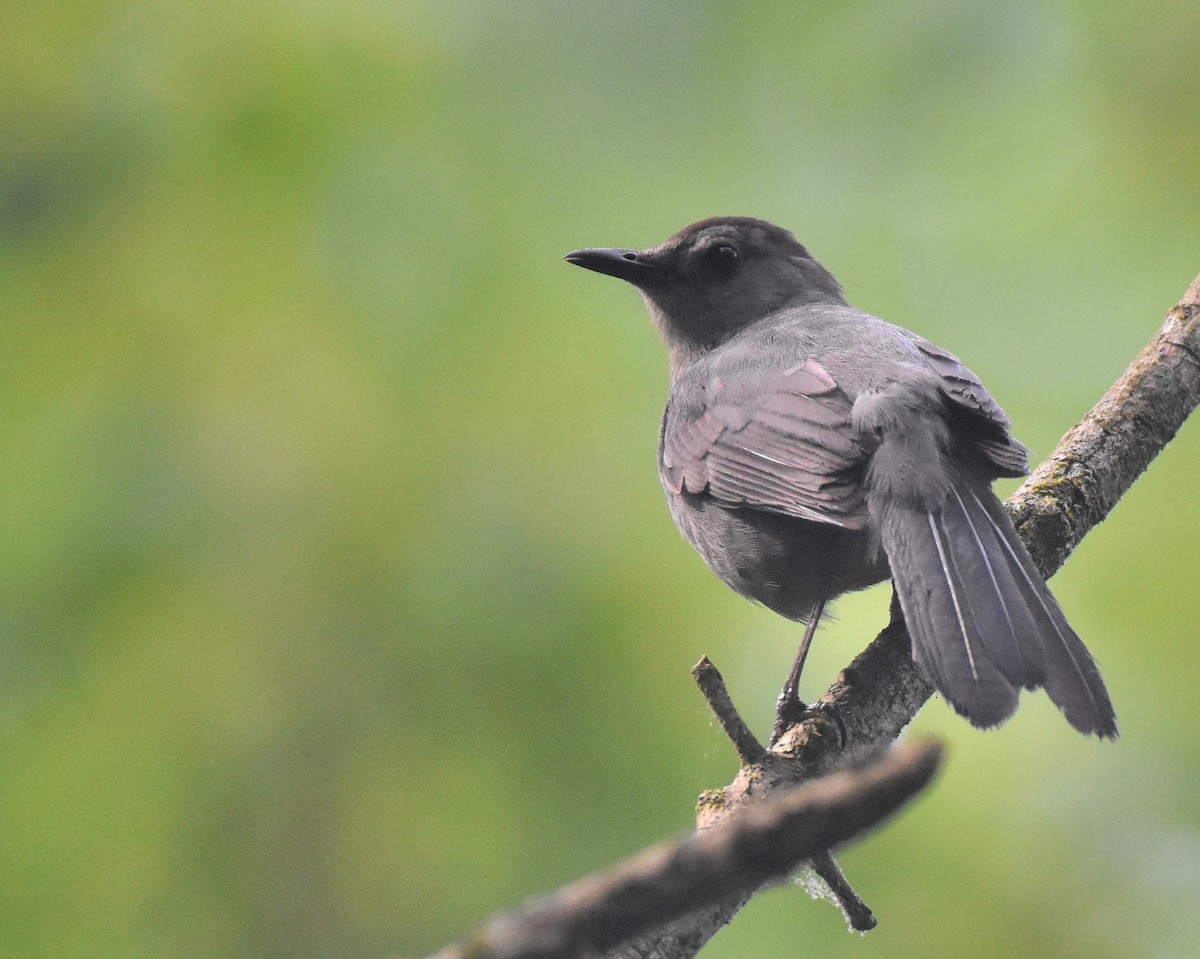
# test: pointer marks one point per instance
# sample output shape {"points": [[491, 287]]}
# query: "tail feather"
{"points": [[941, 618], [983, 622], [1072, 678], [1004, 619]]}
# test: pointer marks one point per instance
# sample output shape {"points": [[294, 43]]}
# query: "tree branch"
{"points": [[757, 766], [765, 842], [712, 686]]}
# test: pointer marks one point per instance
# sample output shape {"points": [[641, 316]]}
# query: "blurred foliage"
{"points": [[339, 603]]}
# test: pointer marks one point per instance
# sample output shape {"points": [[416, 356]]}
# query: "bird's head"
{"points": [[716, 277]]}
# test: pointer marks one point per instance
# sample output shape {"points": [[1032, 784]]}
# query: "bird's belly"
{"points": [[785, 563]]}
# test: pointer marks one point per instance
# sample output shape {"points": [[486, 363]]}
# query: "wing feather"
{"points": [[964, 389], [789, 448]]}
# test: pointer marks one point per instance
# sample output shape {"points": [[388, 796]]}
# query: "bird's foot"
{"points": [[790, 711]]}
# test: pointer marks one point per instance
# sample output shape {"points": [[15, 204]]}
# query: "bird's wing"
{"points": [[963, 387], [786, 445]]}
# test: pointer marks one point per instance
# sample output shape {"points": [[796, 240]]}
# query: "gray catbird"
{"points": [[808, 449]]}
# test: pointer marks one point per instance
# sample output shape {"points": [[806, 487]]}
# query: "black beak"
{"points": [[628, 265]]}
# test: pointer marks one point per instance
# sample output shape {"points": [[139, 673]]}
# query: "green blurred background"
{"points": [[339, 603]]}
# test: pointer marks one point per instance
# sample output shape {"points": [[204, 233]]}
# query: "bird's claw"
{"points": [[792, 712]]}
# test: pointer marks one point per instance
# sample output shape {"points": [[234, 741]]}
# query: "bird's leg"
{"points": [[788, 708]]}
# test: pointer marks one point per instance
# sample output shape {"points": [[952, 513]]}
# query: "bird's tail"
{"points": [[982, 620]]}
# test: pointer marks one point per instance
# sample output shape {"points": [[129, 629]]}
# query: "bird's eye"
{"points": [[721, 260]]}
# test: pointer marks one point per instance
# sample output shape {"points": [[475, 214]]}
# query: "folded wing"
{"points": [[780, 441]]}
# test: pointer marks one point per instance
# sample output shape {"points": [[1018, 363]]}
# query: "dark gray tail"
{"points": [[982, 620]]}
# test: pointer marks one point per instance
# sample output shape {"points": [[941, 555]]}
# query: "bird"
{"points": [[808, 449]]}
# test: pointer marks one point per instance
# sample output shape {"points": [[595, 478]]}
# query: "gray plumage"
{"points": [[808, 449]]}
